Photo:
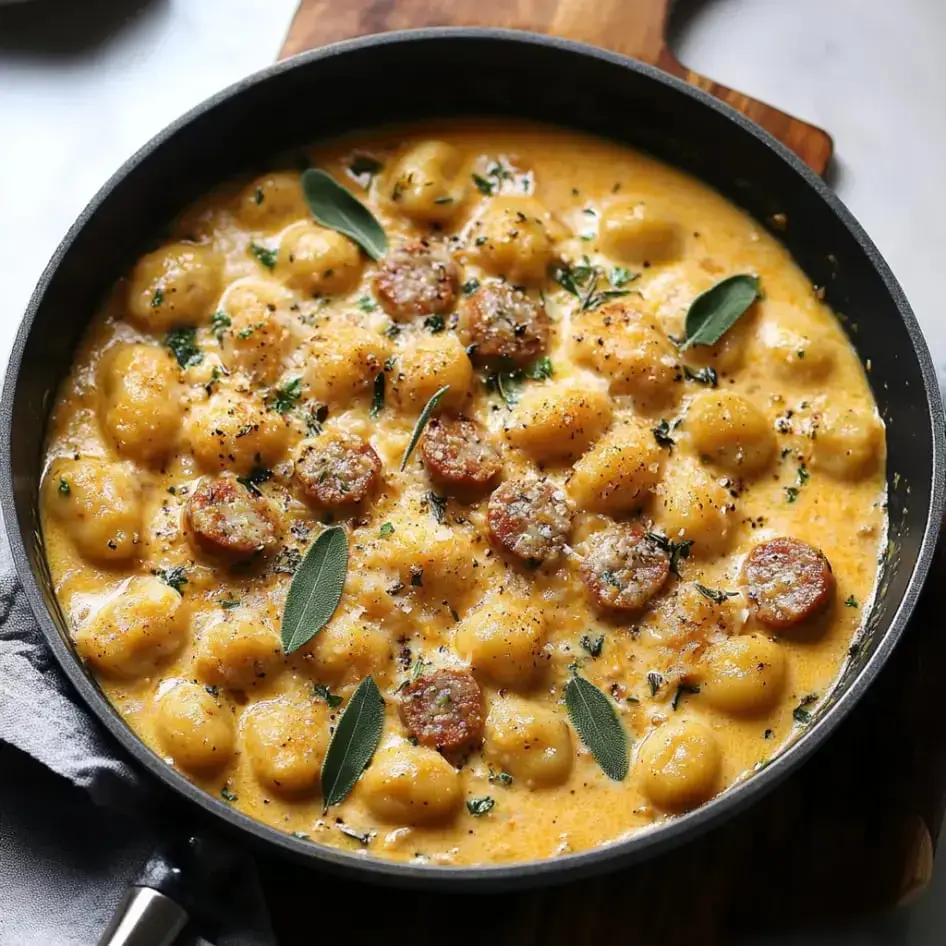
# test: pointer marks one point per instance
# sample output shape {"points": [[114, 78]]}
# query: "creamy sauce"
{"points": [[314, 316]]}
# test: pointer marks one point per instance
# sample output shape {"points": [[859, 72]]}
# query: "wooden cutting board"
{"points": [[634, 27], [848, 835]]}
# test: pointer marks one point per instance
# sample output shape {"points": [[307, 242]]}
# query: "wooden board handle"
{"points": [[633, 27]]}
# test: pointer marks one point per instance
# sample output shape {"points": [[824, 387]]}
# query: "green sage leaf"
{"points": [[334, 207], [714, 312], [316, 589], [598, 726], [429, 408], [354, 742]]}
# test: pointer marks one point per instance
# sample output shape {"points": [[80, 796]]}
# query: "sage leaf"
{"points": [[714, 312], [316, 589], [354, 742], [598, 726], [334, 207], [429, 408]]}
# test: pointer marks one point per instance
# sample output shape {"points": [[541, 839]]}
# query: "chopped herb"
{"points": [[266, 257], [593, 645], [287, 396], [258, 196], [479, 806], [220, 321], [620, 277], [212, 690], [174, 577], [654, 681], [851, 602], [483, 186], [715, 594], [470, 286], [443, 200], [500, 778], [286, 561], [245, 333], [434, 324], [540, 370], [363, 839], [367, 304], [596, 299], [662, 435], [438, 505], [507, 384], [183, 345], [301, 835], [705, 376], [314, 416], [393, 330], [386, 529], [227, 795], [803, 474], [324, 693], [479, 241], [791, 494], [255, 478], [429, 408], [228, 604], [417, 576], [573, 278], [377, 398], [678, 551], [631, 699], [64, 488], [800, 714], [681, 689], [389, 363], [157, 299]]}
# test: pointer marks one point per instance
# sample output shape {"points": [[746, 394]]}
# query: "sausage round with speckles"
{"points": [[337, 468], [503, 324], [227, 518], [624, 568], [457, 451], [530, 518], [444, 710], [786, 581], [417, 279]]}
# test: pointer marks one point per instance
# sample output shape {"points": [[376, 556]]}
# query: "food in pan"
{"points": [[485, 492]]}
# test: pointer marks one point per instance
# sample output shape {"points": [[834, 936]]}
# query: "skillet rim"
{"points": [[567, 867]]}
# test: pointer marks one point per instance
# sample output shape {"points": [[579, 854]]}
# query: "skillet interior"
{"points": [[443, 73]]}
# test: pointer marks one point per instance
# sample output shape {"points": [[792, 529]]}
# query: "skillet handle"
{"points": [[145, 917]]}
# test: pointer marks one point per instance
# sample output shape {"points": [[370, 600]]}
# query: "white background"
{"points": [[83, 83]]}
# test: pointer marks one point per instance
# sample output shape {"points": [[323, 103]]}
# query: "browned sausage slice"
{"points": [[444, 710], [624, 568], [226, 518], [787, 580], [530, 518], [457, 451], [337, 468], [417, 279], [503, 324]]}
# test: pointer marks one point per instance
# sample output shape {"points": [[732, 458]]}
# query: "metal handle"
{"points": [[145, 917]]}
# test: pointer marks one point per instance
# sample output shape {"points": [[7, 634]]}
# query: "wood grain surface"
{"points": [[633, 27], [849, 834]]}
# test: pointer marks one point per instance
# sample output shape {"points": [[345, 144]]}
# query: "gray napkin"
{"points": [[75, 817]]}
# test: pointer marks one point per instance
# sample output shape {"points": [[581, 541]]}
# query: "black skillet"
{"points": [[452, 72]]}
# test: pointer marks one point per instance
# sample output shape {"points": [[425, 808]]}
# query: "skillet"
{"points": [[448, 72]]}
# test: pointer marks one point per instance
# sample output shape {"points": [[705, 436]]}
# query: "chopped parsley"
{"points": [[314, 416], [714, 594], [678, 551], [434, 324], [500, 778], [245, 333], [219, 322], [800, 714], [572, 278], [438, 505], [228, 604], [386, 529], [64, 488], [540, 370], [662, 435], [157, 300], [174, 577], [791, 494], [227, 795], [851, 602], [255, 478], [377, 397], [470, 286], [288, 396], [324, 693], [482, 185], [367, 304], [620, 277], [594, 645], [183, 345], [479, 806], [707, 376], [266, 256]]}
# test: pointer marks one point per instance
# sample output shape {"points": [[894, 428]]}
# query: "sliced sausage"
{"points": [[457, 451], [786, 581], [624, 568], [530, 518], [417, 279], [227, 518], [444, 710], [337, 468], [503, 324]]}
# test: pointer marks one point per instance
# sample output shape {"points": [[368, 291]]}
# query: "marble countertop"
{"points": [[82, 85]]}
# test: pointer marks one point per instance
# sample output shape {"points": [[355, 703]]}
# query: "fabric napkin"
{"points": [[77, 821]]}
